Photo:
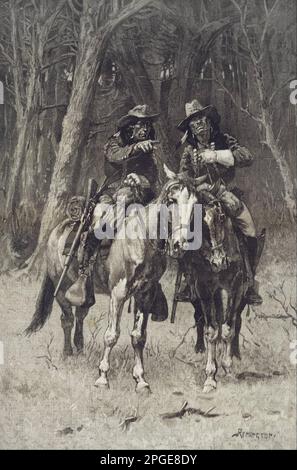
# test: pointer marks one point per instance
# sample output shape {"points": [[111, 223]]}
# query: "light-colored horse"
{"points": [[133, 268]]}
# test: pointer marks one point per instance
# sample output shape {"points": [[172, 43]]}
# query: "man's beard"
{"points": [[203, 137], [141, 137]]}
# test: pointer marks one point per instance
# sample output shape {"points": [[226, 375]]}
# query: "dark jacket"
{"points": [[242, 158], [122, 158]]}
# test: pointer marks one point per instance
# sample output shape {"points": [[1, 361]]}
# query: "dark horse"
{"points": [[133, 267], [220, 276]]}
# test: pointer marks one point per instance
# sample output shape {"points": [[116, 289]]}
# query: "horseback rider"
{"points": [[211, 152], [130, 163]]}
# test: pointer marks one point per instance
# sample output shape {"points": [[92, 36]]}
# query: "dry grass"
{"points": [[48, 402]]}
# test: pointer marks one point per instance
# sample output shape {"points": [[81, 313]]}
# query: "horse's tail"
{"points": [[44, 305]]}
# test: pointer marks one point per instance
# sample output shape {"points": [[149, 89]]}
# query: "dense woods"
{"points": [[71, 68]]}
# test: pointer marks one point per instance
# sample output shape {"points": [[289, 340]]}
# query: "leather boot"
{"points": [[81, 293], [252, 296]]}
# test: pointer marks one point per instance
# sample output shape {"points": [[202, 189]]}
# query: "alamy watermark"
{"points": [[180, 222]]}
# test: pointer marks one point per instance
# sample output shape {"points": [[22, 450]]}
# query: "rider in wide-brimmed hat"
{"points": [[195, 109], [138, 113], [130, 163], [209, 151], [131, 149]]}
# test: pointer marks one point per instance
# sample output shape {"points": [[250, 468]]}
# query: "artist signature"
{"points": [[254, 435]]}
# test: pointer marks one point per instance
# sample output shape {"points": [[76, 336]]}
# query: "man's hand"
{"points": [[208, 156], [146, 146], [132, 180]]}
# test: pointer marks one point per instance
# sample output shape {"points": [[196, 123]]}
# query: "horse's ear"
{"points": [[169, 173]]}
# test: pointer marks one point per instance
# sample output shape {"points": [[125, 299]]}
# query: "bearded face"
{"points": [[201, 129], [140, 131]]}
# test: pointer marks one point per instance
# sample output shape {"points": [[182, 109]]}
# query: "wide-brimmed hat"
{"points": [[194, 109], [140, 111]]}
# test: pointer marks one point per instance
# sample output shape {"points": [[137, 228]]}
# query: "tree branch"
{"points": [[58, 61], [243, 14], [53, 106], [126, 13], [73, 8], [51, 19], [267, 21], [17, 58], [279, 134], [266, 7], [279, 89], [244, 110], [7, 56], [216, 26]]}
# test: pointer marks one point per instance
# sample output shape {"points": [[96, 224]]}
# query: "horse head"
{"points": [[179, 195], [214, 219]]}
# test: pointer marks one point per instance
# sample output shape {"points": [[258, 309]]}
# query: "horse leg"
{"points": [[138, 339], [211, 334], [235, 347], [230, 320], [80, 315], [67, 321], [199, 322], [116, 304]]}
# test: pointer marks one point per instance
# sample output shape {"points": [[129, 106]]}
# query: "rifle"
{"points": [[176, 289], [84, 220]]}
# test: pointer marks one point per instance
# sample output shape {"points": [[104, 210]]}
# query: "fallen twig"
{"points": [[124, 425], [189, 411], [257, 375]]}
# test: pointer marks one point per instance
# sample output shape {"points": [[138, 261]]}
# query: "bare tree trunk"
{"points": [[271, 141], [27, 96], [281, 162], [27, 132], [75, 131], [257, 56]]}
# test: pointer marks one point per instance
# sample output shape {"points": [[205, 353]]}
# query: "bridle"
{"points": [[216, 203], [165, 200]]}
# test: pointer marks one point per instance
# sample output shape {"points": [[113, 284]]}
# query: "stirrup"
{"points": [[184, 295]]}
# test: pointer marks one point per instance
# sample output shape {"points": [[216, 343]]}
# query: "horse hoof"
{"points": [[199, 349], [228, 372], [102, 383], [209, 386], [143, 388], [67, 353]]}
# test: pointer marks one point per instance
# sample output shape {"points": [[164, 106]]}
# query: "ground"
{"points": [[49, 402]]}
